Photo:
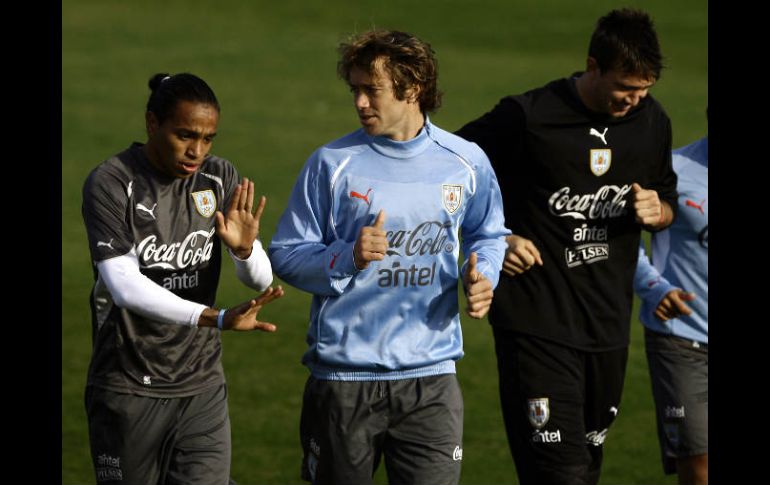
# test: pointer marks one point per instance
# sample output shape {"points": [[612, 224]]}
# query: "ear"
{"points": [[592, 66], [151, 123], [413, 94]]}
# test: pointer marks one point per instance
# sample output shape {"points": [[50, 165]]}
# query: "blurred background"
{"points": [[272, 66]]}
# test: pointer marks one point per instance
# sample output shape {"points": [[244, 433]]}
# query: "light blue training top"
{"points": [[398, 318], [680, 253]]}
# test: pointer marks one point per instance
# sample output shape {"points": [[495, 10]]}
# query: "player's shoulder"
{"points": [[116, 169], [217, 166], [341, 149], [695, 153], [467, 150]]}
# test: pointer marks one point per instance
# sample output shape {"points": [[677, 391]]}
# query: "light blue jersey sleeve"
{"points": [[302, 251], [483, 230], [649, 284]]}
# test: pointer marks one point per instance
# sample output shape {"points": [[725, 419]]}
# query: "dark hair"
{"points": [[409, 61], [168, 90], [625, 39]]}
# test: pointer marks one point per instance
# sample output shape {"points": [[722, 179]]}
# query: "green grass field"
{"points": [[272, 65]]}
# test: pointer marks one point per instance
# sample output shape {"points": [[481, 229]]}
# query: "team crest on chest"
{"points": [[538, 412], [452, 196], [205, 202], [601, 159]]}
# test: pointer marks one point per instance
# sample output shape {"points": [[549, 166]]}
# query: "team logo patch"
{"points": [[601, 159], [539, 412], [205, 202], [452, 196]]}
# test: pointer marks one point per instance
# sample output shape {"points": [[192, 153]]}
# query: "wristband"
{"points": [[221, 318]]}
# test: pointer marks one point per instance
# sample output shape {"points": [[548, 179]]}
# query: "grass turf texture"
{"points": [[272, 65]]}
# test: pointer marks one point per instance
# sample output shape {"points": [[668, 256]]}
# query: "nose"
{"points": [[636, 96], [195, 149], [361, 100]]}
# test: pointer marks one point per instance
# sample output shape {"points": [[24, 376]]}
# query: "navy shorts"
{"points": [[417, 424], [679, 371], [144, 440], [558, 404]]}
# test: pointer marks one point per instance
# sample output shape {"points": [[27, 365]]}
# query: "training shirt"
{"points": [[169, 223], [398, 318], [680, 253], [566, 175]]}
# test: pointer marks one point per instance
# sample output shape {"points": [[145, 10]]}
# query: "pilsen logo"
{"points": [[609, 201], [196, 248]]}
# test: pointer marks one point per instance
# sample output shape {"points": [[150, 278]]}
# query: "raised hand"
{"points": [[520, 256], [478, 289], [240, 227], [372, 243]]}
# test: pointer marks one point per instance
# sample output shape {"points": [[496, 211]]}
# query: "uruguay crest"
{"points": [[205, 202], [452, 196], [538, 412], [601, 159]]}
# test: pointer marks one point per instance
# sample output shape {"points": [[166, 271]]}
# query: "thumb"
{"points": [[636, 187], [687, 296], [220, 222], [380, 221]]}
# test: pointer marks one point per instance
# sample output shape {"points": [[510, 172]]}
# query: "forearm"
{"points": [[255, 271], [132, 290], [315, 268]]}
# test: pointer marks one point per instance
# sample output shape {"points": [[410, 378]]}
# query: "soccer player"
{"points": [[584, 164], [373, 230], [156, 397], [676, 321]]}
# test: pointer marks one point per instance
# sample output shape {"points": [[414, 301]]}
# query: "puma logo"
{"points": [[690, 203], [107, 244], [599, 135], [149, 211], [365, 198]]}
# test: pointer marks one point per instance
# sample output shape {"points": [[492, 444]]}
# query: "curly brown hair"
{"points": [[409, 61]]}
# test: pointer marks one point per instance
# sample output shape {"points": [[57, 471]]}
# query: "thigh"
{"points": [[542, 395], [679, 376], [605, 374], [424, 439], [341, 430], [201, 448], [127, 436]]}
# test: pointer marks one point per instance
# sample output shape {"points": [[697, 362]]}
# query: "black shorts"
{"points": [[144, 440], [558, 404], [679, 372], [416, 423]]}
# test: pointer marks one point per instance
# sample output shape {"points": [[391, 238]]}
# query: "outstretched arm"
{"points": [[132, 290]]}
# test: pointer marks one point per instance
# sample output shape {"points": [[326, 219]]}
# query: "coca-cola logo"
{"points": [[196, 248], [429, 237], [609, 201]]}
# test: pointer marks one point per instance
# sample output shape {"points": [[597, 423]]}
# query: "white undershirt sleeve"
{"points": [[132, 290], [255, 271]]}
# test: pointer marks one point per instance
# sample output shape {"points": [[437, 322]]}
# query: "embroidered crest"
{"points": [[205, 202], [601, 159], [452, 196], [538, 412]]}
